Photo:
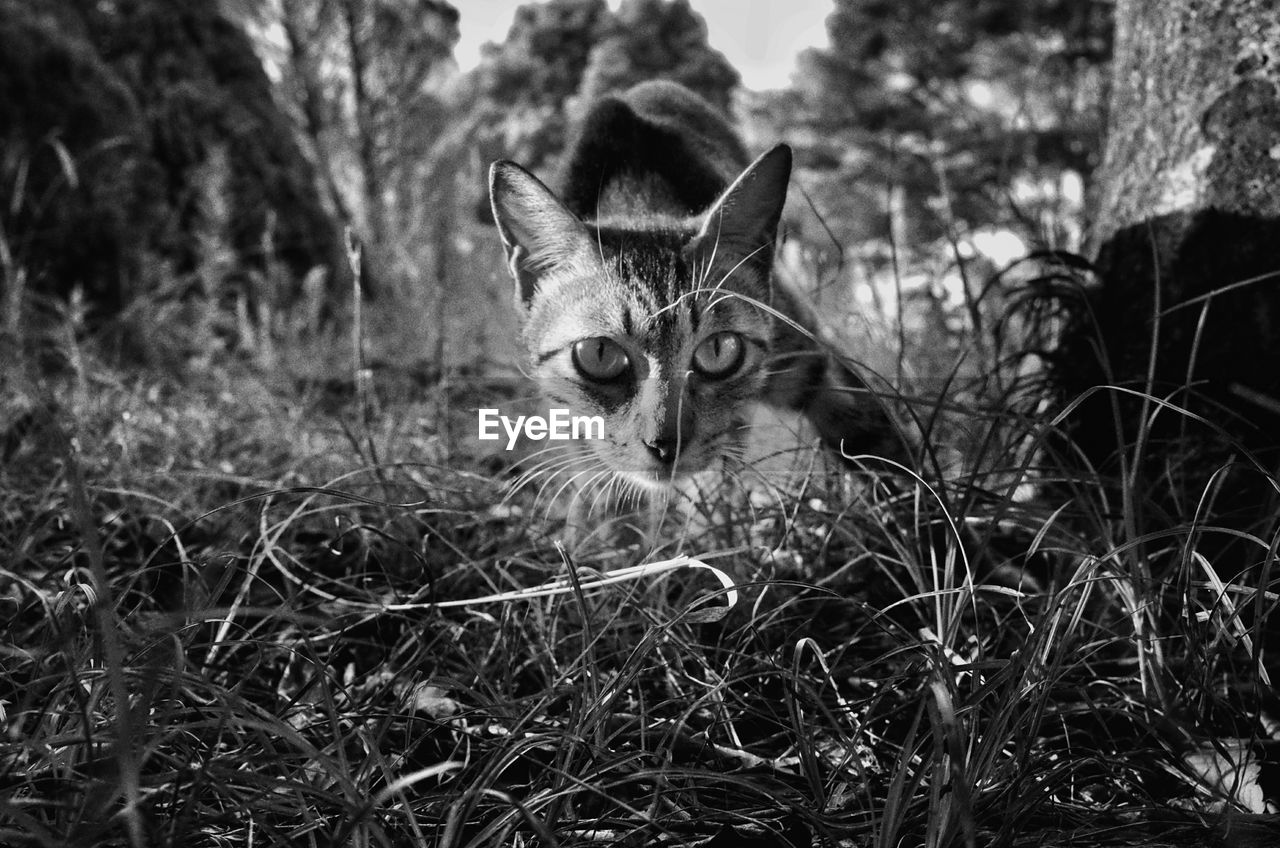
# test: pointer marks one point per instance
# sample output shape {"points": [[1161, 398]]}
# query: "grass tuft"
{"points": [[244, 609]]}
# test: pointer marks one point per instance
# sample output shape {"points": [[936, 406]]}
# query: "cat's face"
{"points": [[655, 325], [649, 342]]}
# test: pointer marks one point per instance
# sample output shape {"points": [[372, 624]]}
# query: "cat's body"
{"points": [[648, 298]]}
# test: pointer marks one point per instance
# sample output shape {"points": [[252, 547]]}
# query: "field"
{"points": [[247, 607]]}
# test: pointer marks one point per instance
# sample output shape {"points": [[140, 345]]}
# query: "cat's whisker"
{"points": [[550, 459], [628, 491], [547, 478], [553, 473], [715, 249], [599, 239], [606, 491], [522, 462], [572, 480], [705, 269], [719, 285], [622, 490], [600, 482], [743, 261], [609, 476], [632, 495], [700, 272], [549, 504], [718, 288], [545, 466]]}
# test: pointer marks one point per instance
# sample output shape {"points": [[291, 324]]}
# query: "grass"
{"points": [[235, 616]]}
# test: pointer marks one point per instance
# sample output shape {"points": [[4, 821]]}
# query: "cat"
{"points": [[646, 296]]}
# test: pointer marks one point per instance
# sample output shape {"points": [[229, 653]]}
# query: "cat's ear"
{"points": [[745, 218], [538, 232]]}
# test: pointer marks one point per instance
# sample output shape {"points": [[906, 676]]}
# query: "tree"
{"points": [[659, 39], [364, 80], [165, 129], [523, 84], [395, 52], [78, 211], [969, 109], [315, 100], [1188, 307], [566, 52]]}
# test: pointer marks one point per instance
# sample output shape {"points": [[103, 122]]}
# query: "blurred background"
{"points": [[186, 179]]}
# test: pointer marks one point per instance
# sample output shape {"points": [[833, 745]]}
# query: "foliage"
{"points": [[363, 78], [147, 95], [545, 54], [659, 39], [525, 82], [80, 197], [573, 51], [973, 112]]}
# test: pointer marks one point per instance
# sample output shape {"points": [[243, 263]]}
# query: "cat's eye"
{"points": [[600, 358], [720, 355]]}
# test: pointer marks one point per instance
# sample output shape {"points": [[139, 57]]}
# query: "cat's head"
{"points": [[656, 323]]}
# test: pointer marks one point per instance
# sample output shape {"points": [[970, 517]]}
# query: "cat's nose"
{"points": [[663, 450]]}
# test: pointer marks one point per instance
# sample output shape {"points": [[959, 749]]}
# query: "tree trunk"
{"points": [[1188, 311], [302, 54], [1193, 113], [366, 140]]}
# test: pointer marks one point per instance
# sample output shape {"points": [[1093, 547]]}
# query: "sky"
{"points": [[759, 37]]}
